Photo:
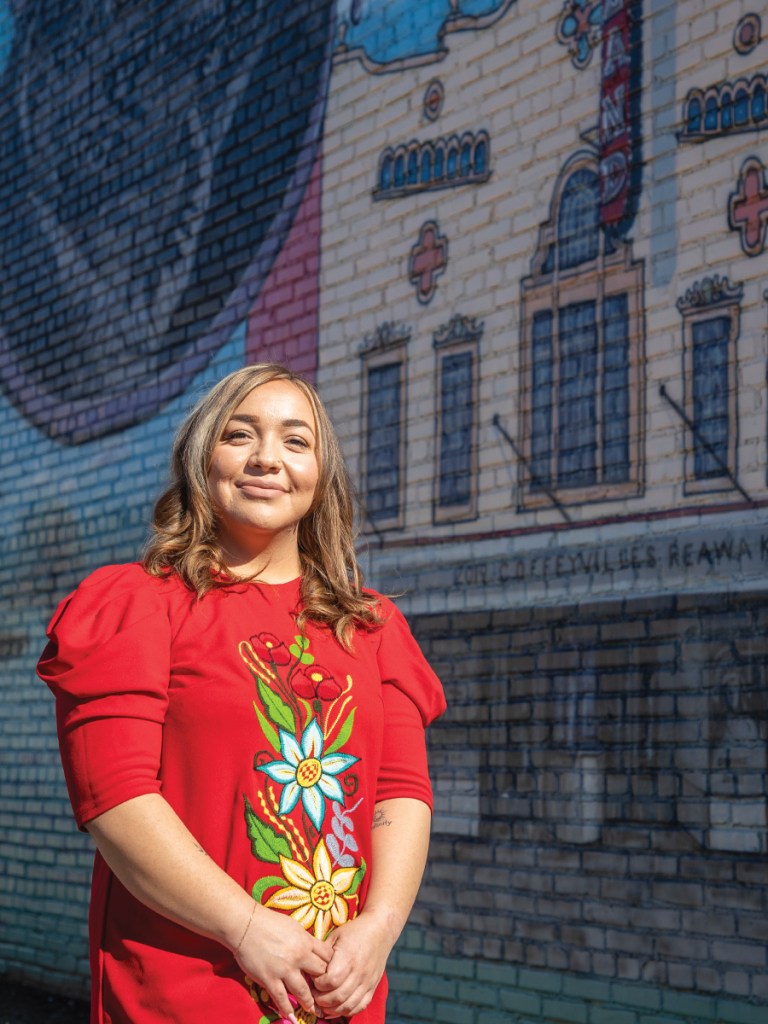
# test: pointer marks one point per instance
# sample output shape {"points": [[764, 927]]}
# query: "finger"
{"points": [[302, 994], [280, 1000]]}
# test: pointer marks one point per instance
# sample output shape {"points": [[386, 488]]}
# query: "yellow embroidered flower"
{"points": [[315, 898]]}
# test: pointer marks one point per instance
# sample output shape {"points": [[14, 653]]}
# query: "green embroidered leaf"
{"points": [[295, 651], [269, 733], [276, 708], [359, 876], [344, 734], [266, 844], [302, 641], [265, 883], [306, 659]]}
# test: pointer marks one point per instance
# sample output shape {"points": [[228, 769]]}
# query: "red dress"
{"points": [[270, 743]]}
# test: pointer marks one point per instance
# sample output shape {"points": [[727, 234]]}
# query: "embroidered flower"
{"points": [[315, 898], [315, 683], [268, 647], [305, 773]]}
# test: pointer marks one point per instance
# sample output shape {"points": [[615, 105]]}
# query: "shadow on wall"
{"points": [[150, 173]]}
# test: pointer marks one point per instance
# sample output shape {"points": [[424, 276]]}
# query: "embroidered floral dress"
{"points": [[273, 746]]}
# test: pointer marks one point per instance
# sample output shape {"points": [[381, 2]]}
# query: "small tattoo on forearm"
{"points": [[379, 819]]}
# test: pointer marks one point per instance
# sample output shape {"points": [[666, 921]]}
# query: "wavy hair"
{"points": [[185, 534]]}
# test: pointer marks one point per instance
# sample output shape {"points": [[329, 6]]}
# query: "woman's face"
{"points": [[264, 471]]}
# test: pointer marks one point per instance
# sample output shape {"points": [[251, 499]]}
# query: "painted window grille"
{"points": [[456, 350], [383, 419], [436, 164], [582, 344], [711, 316], [725, 109]]}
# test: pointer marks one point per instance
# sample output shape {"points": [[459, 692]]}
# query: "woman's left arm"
{"points": [[400, 840]]}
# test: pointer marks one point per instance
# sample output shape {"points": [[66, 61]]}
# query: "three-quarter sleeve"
{"points": [[413, 697], [108, 664]]}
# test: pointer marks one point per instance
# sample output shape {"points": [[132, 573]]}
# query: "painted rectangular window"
{"points": [[710, 396], [456, 413], [616, 413], [383, 441], [577, 406], [541, 400]]}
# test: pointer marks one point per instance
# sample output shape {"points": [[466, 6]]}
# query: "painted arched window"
{"points": [[413, 167], [581, 342], [711, 114], [399, 170], [741, 107], [693, 119], [426, 167], [453, 159], [758, 103], [465, 165], [480, 156], [385, 175], [439, 163], [578, 233], [726, 111]]}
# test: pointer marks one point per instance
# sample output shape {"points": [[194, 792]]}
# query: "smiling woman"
{"points": [[262, 891]]}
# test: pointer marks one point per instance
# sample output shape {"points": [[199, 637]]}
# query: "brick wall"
{"points": [[186, 190]]}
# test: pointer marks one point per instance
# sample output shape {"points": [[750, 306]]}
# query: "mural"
{"points": [[148, 185]]}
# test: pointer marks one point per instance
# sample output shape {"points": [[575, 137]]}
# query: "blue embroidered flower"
{"points": [[305, 773]]}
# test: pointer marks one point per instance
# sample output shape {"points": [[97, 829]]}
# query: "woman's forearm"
{"points": [[361, 946], [160, 862], [400, 840]]}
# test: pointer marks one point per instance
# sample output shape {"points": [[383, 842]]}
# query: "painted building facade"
{"points": [[521, 248]]}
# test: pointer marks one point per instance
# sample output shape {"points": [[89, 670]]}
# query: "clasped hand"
{"points": [[335, 978]]}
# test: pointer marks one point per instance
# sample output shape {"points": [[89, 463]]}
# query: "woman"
{"points": [[242, 732]]}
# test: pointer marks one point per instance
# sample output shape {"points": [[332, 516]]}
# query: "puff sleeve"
{"points": [[413, 697], [107, 663]]}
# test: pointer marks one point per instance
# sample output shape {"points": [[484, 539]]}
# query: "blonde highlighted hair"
{"points": [[184, 524]]}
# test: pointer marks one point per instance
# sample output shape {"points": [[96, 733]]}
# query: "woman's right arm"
{"points": [[160, 862]]}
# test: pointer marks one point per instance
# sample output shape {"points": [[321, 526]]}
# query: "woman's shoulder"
{"points": [[119, 590]]}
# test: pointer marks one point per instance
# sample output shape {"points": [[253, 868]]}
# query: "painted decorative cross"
{"points": [[429, 258], [748, 207]]}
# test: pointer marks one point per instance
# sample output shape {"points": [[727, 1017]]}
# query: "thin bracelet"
{"points": [[236, 950]]}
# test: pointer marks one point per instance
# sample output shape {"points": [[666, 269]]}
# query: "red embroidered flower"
{"points": [[269, 648], [315, 683]]}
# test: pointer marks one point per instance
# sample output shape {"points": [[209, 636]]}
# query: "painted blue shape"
{"points": [[439, 170], [741, 108], [465, 165], [456, 416], [389, 30], [452, 160], [693, 120], [426, 167], [541, 401], [758, 103], [616, 388], [577, 405], [480, 157], [710, 396], [7, 33], [413, 167], [578, 224], [711, 114], [383, 442], [399, 171], [726, 112], [385, 180]]}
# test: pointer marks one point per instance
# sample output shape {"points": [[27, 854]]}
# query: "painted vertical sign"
{"points": [[620, 93]]}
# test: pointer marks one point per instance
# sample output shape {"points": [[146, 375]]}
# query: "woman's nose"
{"points": [[264, 453]]}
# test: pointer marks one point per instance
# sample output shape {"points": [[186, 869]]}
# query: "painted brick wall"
{"points": [[191, 186]]}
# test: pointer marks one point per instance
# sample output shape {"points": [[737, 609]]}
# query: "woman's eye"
{"points": [[236, 435], [298, 442]]}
